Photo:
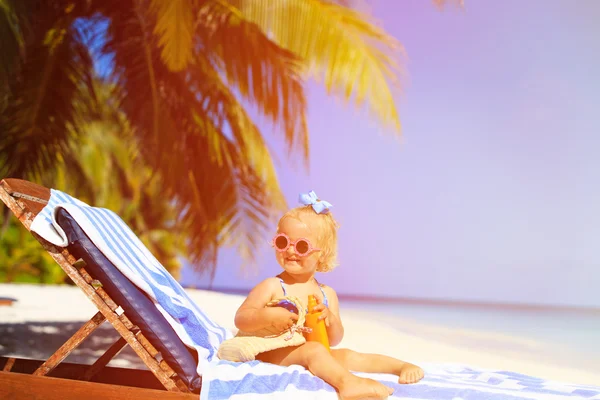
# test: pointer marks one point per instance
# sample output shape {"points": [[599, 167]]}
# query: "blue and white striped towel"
{"points": [[260, 381], [124, 249], [255, 380]]}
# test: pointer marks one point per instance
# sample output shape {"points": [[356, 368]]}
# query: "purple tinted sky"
{"points": [[493, 193]]}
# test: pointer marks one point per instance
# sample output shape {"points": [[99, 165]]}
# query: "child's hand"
{"points": [[282, 319], [325, 313]]}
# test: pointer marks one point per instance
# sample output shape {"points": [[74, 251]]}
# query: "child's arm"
{"points": [[335, 329], [253, 315]]}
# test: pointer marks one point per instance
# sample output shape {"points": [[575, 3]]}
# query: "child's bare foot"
{"points": [[355, 388], [410, 373]]}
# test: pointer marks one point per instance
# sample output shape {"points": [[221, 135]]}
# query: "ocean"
{"points": [[561, 337]]}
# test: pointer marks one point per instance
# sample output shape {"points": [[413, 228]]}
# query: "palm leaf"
{"points": [[12, 44], [40, 108], [209, 153], [355, 58], [262, 72], [107, 155], [233, 181], [130, 43], [217, 103], [175, 29]]}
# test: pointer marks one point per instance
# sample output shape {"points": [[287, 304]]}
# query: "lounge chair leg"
{"points": [[70, 344], [9, 364], [105, 359]]}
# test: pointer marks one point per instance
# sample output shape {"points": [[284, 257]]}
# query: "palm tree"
{"points": [[183, 71], [106, 151]]}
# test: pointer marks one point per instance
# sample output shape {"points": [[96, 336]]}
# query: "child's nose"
{"points": [[291, 250]]}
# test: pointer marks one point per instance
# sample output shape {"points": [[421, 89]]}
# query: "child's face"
{"points": [[289, 260]]}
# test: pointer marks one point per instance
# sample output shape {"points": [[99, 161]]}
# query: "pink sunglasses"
{"points": [[302, 246]]}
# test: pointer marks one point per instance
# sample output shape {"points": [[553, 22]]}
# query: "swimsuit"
{"points": [[320, 287]]}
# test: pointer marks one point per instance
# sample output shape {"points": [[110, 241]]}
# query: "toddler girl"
{"points": [[306, 243]]}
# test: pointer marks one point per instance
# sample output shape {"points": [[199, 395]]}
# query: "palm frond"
{"points": [[355, 58], [236, 197], [267, 75], [175, 30], [132, 46], [107, 156], [233, 185], [12, 44], [40, 109], [246, 226], [208, 148], [217, 103]]}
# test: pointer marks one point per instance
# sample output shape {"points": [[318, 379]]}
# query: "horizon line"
{"points": [[433, 302]]}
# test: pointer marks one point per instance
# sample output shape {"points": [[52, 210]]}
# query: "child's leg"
{"points": [[320, 362], [361, 362]]}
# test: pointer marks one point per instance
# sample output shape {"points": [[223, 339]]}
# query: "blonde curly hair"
{"points": [[326, 230]]}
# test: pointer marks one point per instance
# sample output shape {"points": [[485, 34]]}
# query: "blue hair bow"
{"points": [[310, 198]]}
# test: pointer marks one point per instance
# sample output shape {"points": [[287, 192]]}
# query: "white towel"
{"points": [[261, 381]]}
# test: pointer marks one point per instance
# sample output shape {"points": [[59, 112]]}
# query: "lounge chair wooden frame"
{"points": [[26, 200]]}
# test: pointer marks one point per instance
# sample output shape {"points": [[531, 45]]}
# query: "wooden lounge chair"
{"points": [[126, 308]]}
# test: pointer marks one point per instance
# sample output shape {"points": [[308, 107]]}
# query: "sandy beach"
{"points": [[43, 317]]}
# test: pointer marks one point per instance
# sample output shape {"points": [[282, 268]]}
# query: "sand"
{"points": [[43, 317]]}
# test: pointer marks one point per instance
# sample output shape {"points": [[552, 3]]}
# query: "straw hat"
{"points": [[246, 345]]}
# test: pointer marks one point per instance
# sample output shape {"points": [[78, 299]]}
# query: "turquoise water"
{"points": [[565, 337]]}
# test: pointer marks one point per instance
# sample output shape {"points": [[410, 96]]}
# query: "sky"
{"points": [[492, 193]]}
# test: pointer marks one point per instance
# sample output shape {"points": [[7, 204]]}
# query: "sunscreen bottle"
{"points": [[319, 330]]}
